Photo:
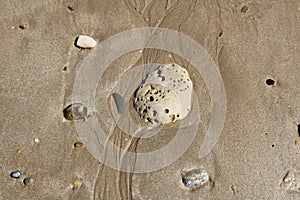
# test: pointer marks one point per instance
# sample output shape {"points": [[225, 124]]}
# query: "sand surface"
{"points": [[250, 42]]}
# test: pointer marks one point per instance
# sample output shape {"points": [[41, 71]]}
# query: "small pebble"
{"points": [[36, 140], [15, 174], [195, 177], [77, 184], [75, 111], [23, 26], [78, 144], [19, 151], [233, 187], [28, 181], [65, 68], [85, 42]]}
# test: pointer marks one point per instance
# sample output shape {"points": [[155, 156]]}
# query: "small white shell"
{"points": [[85, 42]]}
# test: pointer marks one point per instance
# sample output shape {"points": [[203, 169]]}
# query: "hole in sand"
{"points": [[270, 82]]}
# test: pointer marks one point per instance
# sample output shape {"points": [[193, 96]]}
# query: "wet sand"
{"points": [[250, 41]]}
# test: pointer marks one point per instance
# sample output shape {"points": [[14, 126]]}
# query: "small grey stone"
{"points": [[195, 177], [28, 181], [15, 174]]}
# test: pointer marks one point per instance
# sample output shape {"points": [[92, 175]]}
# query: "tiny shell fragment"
{"points": [[23, 26], [233, 187], [77, 183], [78, 144], [19, 151], [85, 42], [36, 140], [75, 111]]}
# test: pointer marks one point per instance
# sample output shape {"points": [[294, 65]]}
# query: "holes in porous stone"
{"points": [[273, 145], [149, 120], [166, 110], [163, 78], [154, 112], [299, 130], [270, 82], [177, 115], [65, 68], [145, 111], [151, 98]]}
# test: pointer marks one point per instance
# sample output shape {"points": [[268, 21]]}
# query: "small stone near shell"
{"points": [[85, 42], [28, 181], [75, 111], [78, 144], [15, 174]]}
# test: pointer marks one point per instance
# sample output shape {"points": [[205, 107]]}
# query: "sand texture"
{"points": [[257, 154]]}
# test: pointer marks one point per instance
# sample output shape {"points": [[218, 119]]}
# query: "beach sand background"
{"points": [[250, 41]]}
